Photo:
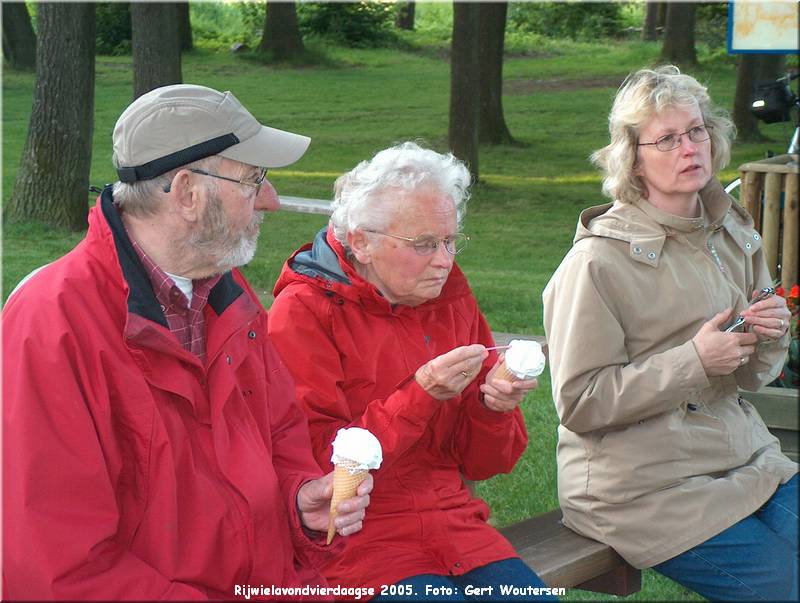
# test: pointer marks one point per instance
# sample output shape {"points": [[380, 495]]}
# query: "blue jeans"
{"points": [[508, 573], [755, 559]]}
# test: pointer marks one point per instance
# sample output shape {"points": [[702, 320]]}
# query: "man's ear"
{"points": [[360, 245], [185, 195]]}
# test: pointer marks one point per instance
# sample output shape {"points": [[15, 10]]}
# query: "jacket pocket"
{"points": [[639, 458]]}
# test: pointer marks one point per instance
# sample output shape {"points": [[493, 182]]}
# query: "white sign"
{"points": [[763, 26]]}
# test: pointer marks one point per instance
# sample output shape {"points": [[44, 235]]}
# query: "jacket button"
{"points": [[251, 334], [457, 564], [340, 301], [228, 359], [691, 407], [637, 250], [748, 245], [755, 236], [652, 255]]}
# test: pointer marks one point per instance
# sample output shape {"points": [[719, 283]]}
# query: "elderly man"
{"points": [[152, 444]]}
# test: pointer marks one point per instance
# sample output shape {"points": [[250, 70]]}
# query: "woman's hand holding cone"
{"points": [[502, 395]]}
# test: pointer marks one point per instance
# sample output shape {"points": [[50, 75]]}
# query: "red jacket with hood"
{"points": [[353, 357], [130, 469]]}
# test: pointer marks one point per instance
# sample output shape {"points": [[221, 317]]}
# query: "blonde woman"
{"points": [[658, 456]]}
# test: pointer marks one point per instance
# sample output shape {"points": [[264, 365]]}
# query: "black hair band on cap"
{"points": [[162, 165]]}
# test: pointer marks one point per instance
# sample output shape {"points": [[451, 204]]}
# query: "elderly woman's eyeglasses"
{"points": [[425, 244], [670, 142]]}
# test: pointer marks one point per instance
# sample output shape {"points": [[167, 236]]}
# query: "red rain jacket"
{"points": [[353, 357], [130, 470]]}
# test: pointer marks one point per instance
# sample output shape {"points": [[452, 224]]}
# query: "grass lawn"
{"points": [[521, 218]]}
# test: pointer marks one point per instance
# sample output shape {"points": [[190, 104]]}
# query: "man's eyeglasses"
{"points": [[251, 182], [673, 141], [425, 244]]}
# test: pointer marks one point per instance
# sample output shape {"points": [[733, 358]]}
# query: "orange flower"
{"points": [[780, 291], [794, 291]]}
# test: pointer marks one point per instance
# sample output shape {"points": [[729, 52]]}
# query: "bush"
{"points": [[575, 20], [113, 28], [354, 24], [217, 25]]}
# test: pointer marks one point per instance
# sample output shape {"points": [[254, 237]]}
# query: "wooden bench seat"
{"points": [[562, 558]]}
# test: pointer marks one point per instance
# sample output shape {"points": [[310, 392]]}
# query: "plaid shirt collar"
{"points": [[186, 320]]}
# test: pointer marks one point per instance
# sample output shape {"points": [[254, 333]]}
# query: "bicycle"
{"points": [[773, 102]]}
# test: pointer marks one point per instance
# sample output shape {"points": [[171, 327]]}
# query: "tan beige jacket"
{"points": [[654, 457]]}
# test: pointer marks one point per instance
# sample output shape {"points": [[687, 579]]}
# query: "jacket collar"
{"points": [[645, 227], [324, 264], [141, 298]]}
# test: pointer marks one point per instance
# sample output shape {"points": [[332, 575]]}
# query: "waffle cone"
{"points": [[345, 485], [504, 373]]}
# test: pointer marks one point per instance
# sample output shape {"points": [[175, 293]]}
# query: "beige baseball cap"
{"points": [[174, 125]]}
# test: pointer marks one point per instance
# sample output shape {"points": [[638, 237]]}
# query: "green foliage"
{"points": [[253, 15], [218, 26], [113, 28], [353, 24], [711, 23], [575, 20]]}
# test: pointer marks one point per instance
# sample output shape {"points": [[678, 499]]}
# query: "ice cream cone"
{"points": [[346, 479], [503, 372]]}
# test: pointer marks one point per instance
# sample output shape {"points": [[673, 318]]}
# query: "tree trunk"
{"points": [[156, 46], [661, 17], [771, 67], [753, 69], [52, 184], [185, 26], [678, 45], [405, 16], [492, 128], [649, 32], [19, 41], [465, 85], [745, 121], [281, 35]]}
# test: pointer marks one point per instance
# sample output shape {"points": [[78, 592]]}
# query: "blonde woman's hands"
{"points": [[447, 375], [769, 318], [722, 353]]}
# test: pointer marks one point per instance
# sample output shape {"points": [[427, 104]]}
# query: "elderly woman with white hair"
{"points": [[381, 331], [658, 455]]}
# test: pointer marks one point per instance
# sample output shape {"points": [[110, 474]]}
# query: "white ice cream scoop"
{"points": [[525, 359], [358, 446]]}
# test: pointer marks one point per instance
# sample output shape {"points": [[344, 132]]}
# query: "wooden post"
{"points": [[751, 195], [771, 223], [791, 241]]}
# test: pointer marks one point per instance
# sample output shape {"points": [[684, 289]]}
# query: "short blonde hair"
{"points": [[643, 95]]}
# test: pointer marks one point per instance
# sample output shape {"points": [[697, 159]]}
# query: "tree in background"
{"points": [[465, 85], [678, 47], [752, 69], [661, 16], [185, 26], [53, 178], [281, 36], [156, 46], [19, 41], [405, 16], [650, 25], [492, 128]]}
